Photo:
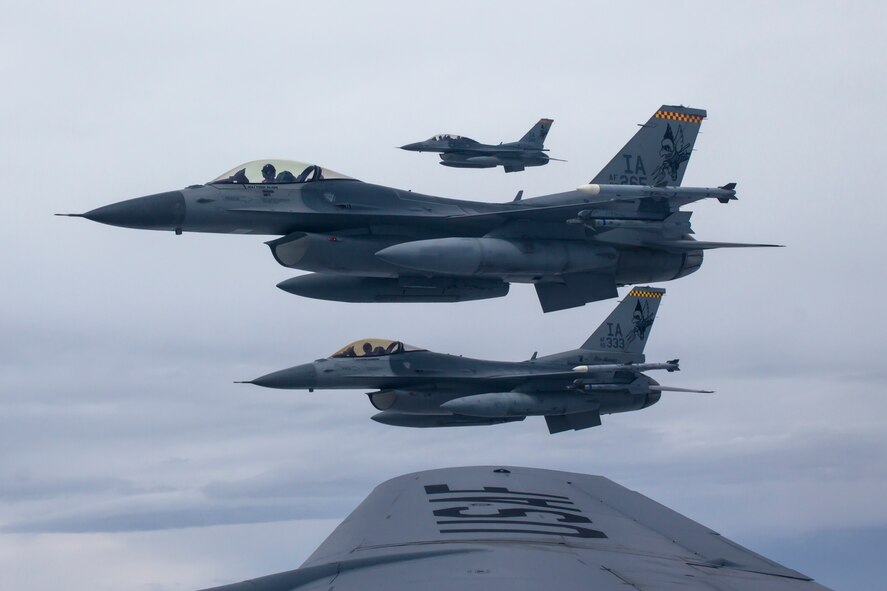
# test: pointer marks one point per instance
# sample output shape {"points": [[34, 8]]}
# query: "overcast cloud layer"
{"points": [[133, 462]]}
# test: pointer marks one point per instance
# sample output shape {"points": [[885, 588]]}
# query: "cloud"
{"points": [[119, 348], [21, 487], [152, 514]]}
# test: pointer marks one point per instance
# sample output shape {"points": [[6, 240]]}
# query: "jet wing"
{"points": [[483, 149], [589, 197], [518, 210], [495, 528]]}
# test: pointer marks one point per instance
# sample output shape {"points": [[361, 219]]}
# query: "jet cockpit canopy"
{"points": [[373, 348], [277, 172], [445, 136]]}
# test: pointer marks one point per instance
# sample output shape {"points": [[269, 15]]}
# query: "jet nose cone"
{"points": [[414, 147], [164, 211], [300, 377]]}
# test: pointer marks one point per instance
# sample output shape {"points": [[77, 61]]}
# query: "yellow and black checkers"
{"points": [[641, 293], [679, 116]]}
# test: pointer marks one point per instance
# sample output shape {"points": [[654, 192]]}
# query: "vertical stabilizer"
{"points": [[627, 328], [658, 153], [537, 134]]}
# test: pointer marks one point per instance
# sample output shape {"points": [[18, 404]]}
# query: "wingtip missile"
{"points": [[731, 187]]}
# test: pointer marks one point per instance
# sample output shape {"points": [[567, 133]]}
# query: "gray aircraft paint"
{"points": [[463, 152], [572, 389], [370, 243], [628, 326], [658, 154], [504, 528]]}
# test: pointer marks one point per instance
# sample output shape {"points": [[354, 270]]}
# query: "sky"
{"points": [[131, 459]]}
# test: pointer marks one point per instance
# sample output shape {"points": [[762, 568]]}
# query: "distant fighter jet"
{"points": [[369, 243], [498, 528], [463, 152], [418, 388]]}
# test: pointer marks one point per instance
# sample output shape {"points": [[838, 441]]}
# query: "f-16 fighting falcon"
{"points": [[504, 528], [572, 389], [369, 243], [463, 152]]}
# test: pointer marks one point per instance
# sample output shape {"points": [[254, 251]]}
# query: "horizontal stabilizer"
{"points": [[577, 289], [682, 245], [575, 422]]}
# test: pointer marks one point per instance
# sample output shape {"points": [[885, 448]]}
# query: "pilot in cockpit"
{"points": [[268, 173]]}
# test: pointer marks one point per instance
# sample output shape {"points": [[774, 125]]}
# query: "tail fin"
{"points": [[537, 134], [657, 155], [627, 327]]}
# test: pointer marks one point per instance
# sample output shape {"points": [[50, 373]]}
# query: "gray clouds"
{"points": [[117, 407]]}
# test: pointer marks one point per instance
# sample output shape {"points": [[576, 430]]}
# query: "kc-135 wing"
{"points": [[505, 528]]}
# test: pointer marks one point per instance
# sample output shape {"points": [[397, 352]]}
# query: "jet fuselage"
{"points": [[396, 245], [423, 382], [371, 243]]}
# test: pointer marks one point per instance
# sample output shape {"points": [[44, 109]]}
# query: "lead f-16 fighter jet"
{"points": [[505, 528], [369, 243], [463, 152], [572, 389]]}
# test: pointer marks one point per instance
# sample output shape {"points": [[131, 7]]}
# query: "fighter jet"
{"points": [[506, 528], [572, 389], [463, 152], [369, 243]]}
